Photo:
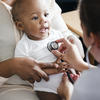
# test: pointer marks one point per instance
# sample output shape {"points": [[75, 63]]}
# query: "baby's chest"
{"points": [[41, 53]]}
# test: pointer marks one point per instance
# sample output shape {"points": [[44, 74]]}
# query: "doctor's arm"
{"points": [[71, 55]]}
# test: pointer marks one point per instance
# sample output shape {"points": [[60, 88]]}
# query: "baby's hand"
{"points": [[50, 68], [66, 88], [47, 65]]}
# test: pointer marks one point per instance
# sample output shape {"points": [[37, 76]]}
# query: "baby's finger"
{"points": [[52, 71], [47, 65], [64, 78]]}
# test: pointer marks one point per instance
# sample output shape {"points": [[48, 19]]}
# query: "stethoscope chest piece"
{"points": [[52, 46]]}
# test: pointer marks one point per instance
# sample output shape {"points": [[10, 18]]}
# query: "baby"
{"points": [[32, 18]]}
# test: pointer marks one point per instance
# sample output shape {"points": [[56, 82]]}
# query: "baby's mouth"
{"points": [[44, 30]]}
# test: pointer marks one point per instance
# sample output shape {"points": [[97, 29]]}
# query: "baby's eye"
{"points": [[46, 14], [35, 18]]}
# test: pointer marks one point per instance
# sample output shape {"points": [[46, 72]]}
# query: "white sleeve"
{"points": [[79, 87], [8, 33], [57, 8], [21, 49], [88, 86], [57, 22]]}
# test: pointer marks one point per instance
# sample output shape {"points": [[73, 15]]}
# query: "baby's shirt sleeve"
{"points": [[21, 49]]}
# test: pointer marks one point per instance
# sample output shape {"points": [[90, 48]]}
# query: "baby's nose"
{"points": [[43, 20]]}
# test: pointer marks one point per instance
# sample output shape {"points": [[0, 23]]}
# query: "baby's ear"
{"points": [[19, 25]]}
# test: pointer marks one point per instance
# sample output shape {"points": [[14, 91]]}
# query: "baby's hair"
{"points": [[90, 15], [17, 10]]}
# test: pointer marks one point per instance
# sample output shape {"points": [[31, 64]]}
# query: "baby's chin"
{"points": [[46, 35]]}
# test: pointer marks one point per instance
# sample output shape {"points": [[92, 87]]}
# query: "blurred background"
{"points": [[67, 5]]}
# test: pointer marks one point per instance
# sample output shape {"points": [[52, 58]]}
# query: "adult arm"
{"points": [[24, 67], [6, 68], [71, 55]]}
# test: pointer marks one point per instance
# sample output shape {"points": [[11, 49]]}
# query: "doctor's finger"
{"points": [[62, 40], [62, 48], [57, 53]]}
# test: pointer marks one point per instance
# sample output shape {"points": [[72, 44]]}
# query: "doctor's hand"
{"points": [[78, 43], [69, 53]]}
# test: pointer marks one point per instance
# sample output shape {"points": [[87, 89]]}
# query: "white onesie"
{"points": [[38, 51]]}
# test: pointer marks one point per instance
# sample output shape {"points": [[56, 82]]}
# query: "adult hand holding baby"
{"points": [[27, 69], [32, 71]]}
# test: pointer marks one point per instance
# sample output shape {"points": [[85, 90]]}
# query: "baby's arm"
{"points": [[66, 88]]}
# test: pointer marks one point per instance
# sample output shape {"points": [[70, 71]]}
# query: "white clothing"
{"points": [[8, 31], [87, 87], [9, 35], [38, 51], [17, 92]]}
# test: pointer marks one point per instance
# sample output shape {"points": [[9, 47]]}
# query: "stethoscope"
{"points": [[54, 46]]}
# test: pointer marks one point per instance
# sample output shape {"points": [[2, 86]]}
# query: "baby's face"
{"points": [[36, 19]]}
